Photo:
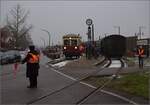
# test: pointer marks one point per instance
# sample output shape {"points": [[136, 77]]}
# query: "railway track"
{"points": [[23, 73], [77, 81], [101, 87]]}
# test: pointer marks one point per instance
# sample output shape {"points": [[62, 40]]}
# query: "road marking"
{"points": [[110, 93], [64, 75], [121, 97], [60, 64], [89, 85]]}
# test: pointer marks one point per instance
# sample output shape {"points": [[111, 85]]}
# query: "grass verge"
{"points": [[135, 83]]}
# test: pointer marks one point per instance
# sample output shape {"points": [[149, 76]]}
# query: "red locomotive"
{"points": [[72, 46]]}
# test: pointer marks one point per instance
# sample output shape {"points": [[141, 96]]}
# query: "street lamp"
{"points": [[43, 41], [48, 34]]}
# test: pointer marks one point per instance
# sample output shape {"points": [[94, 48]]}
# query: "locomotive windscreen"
{"points": [[66, 42], [74, 42]]}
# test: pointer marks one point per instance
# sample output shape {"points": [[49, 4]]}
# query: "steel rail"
{"points": [[65, 87], [100, 87]]}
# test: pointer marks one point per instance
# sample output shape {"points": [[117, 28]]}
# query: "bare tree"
{"points": [[17, 25]]}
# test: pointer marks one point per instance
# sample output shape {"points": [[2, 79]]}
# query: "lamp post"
{"points": [[43, 41], [48, 35]]}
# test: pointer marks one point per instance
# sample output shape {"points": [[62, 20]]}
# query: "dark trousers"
{"points": [[140, 62], [33, 81]]}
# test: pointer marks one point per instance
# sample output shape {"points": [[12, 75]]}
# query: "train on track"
{"points": [[72, 45], [113, 46]]}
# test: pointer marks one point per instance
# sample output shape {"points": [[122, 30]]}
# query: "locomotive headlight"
{"points": [[75, 47], [65, 48]]}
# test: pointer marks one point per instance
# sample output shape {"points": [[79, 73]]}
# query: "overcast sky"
{"points": [[64, 17]]}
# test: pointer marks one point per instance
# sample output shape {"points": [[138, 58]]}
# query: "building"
{"points": [[131, 45]]}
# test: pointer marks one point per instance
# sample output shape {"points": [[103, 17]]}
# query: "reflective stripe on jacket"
{"points": [[140, 51], [34, 58]]}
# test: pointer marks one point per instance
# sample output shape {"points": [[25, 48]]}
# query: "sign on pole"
{"points": [[142, 42], [89, 22]]}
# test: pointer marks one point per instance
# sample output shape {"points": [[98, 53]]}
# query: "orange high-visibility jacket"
{"points": [[141, 51], [34, 58]]}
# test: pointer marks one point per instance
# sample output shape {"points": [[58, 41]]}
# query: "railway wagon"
{"points": [[113, 46], [72, 46]]}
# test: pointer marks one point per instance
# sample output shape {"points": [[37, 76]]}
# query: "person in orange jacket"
{"points": [[32, 60], [140, 55]]}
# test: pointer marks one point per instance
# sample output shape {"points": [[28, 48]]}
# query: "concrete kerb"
{"points": [[94, 62]]}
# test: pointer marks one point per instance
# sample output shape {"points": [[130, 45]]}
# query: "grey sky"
{"points": [[64, 17]]}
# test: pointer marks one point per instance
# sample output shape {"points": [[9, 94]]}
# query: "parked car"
{"points": [[10, 57], [23, 54]]}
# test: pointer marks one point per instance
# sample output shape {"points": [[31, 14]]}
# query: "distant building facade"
{"points": [[131, 45]]}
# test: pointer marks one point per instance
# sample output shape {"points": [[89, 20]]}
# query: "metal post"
{"points": [[140, 31], [118, 29], [93, 45], [43, 41], [89, 34], [93, 33], [105, 34], [89, 43], [88, 51], [48, 34]]}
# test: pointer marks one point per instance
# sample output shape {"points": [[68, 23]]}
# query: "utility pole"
{"points": [[118, 29], [48, 35], [99, 37], [105, 34], [140, 32]]}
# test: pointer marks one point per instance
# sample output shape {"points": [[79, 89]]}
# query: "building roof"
{"points": [[72, 36]]}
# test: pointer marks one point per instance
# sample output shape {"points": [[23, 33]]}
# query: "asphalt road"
{"points": [[14, 91]]}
